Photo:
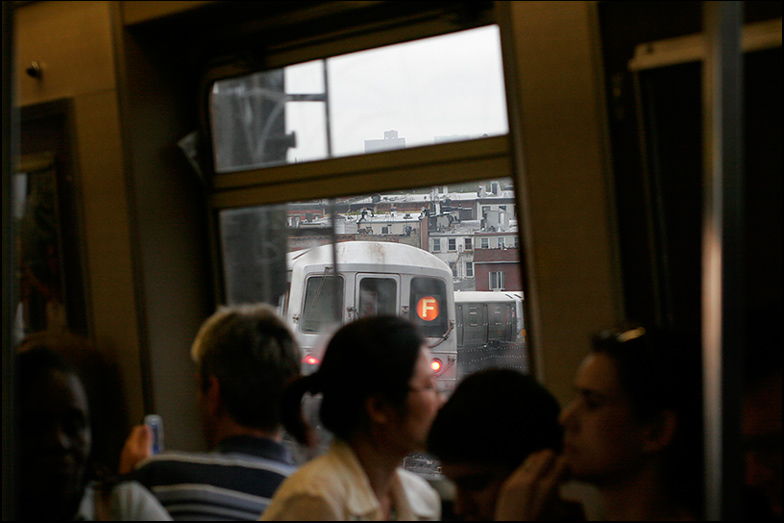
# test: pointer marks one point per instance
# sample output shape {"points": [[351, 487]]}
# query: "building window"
{"points": [[469, 269], [485, 243], [496, 280], [452, 244], [501, 242], [468, 245], [436, 244]]}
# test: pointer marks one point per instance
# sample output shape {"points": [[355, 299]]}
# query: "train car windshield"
{"points": [[321, 295]]}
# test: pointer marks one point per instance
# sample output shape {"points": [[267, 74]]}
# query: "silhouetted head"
{"points": [[54, 438], [639, 399], [492, 421]]}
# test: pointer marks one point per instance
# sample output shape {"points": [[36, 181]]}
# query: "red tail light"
{"points": [[310, 360], [436, 365]]}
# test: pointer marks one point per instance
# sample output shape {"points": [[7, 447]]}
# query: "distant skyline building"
{"points": [[390, 141]]}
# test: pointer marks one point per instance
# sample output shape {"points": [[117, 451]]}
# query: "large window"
{"points": [[360, 242], [435, 90]]}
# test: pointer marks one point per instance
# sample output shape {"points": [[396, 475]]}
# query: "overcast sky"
{"points": [[441, 86]]}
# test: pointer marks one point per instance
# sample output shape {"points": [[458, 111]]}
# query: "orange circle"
{"points": [[427, 308]]}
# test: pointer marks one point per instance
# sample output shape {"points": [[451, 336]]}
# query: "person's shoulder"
{"points": [[176, 460], [161, 468], [323, 472]]}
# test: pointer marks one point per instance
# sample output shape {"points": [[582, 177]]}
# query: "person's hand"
{"points": [[137, 448], [531, 491]]}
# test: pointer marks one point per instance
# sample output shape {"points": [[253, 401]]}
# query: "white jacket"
{"points": [[334, 487]]}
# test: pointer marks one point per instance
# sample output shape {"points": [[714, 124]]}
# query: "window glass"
{"points": [[326, 262], [318, 310], [496, 280], [377, 296], [439, 89]]}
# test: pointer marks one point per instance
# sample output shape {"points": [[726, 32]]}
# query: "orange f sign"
{"points": [[427, 308]]}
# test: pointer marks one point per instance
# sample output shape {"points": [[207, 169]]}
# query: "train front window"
{"points": [[321, 295], [377, 296], [438, 89]]}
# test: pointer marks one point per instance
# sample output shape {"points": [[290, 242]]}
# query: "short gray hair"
{"points": [[253, 354]]}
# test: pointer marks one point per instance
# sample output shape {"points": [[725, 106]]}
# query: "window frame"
{"points": [[438, 164]]}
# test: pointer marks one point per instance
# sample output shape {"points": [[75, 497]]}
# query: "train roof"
{"points": [[362, 252], [484, 296]]}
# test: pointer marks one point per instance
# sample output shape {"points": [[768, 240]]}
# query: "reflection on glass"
{"points": [[439, 89], [36, 213]]}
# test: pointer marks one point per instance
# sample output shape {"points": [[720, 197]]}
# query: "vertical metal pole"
{"points": [[722, 284], [332, 208], [326, 108]]}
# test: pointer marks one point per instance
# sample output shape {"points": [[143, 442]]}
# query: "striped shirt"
{"points": [[234, 482]]}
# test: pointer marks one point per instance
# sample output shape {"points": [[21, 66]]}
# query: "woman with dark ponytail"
{"points": [[379, 398]]}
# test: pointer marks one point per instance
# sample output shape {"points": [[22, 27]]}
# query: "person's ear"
{"points": [[661, 431], [212, 395], [378, 409]]}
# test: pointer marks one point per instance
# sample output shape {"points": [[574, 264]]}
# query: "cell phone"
{"points": [[155, 422]]}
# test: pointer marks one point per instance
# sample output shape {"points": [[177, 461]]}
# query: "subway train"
{"points": [[612, 160], [490, 330], [372, 278]]}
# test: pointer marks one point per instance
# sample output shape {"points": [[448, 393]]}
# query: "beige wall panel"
{"points": [[136, 12], [567, 188], [73, 43], [107, 236]]}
